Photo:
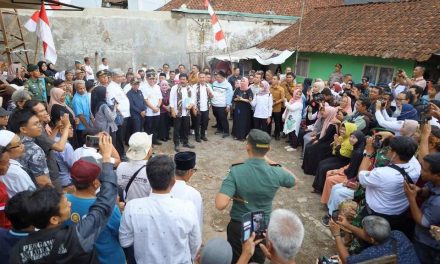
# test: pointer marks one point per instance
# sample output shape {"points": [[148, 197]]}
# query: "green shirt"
{"points": [[256, 182], [37, 89]]}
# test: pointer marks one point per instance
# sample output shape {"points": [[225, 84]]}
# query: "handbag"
{"points": [[119, 120]]}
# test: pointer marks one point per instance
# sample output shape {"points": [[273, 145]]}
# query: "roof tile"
{"points": [[279, 7], [406, 30]]}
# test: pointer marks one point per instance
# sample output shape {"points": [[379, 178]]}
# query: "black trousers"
{"points": [[276, 118], [200, 122], [293, 139], [136, 124], [261, 124], [164, 126], [181, 130], [234, 232], [222, 119], [152, 126], [120, 137]]}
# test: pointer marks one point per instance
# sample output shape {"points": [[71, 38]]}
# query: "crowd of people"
{"points": [[80, 181]]}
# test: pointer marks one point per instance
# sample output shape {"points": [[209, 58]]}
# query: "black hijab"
{"points": [[356, 156], [98, 98]]}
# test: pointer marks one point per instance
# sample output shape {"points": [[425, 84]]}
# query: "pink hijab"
{"points": [[329, 114], [55, 99], [293, 100], [244, 84], [266, 88], [164, 88], [348, 109]]}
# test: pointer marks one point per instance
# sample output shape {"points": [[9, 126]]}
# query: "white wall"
{"points": [[146, 5]]}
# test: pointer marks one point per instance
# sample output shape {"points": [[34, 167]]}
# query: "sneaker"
{"points": [[291, 149], [288, 146], [192, 132], [325, 220], [187, 145]]}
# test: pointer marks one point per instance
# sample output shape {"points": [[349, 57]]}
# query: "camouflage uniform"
{"points": [[37, 89]]}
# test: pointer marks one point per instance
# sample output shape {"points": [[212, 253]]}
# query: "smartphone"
{"points": [[335, 215], [92, 142], [246, 227], [258, 224], [114, 100]]}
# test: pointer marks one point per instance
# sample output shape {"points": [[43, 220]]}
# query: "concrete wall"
{"points": [[129, 38]]}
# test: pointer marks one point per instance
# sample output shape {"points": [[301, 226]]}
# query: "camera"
{"points": [[377, 144], [425, 116], [92, 142]]}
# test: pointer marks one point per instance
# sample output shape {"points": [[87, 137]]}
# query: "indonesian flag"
{"points": [[31, 24], [45, 35], [219, 37]]}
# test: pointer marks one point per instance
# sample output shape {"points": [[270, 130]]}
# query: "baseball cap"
{"points": [[259, 139], [139, 146], [85, 170], [135, 81], [32, 67], [101, 73]]}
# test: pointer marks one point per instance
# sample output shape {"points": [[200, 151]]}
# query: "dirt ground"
{"points": [[213, 161]]}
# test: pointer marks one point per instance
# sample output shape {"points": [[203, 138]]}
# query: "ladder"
{"points": [[12, 44]]}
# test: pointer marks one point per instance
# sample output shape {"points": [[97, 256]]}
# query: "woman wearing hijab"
{"points": [[342, 149], [165, 119], [57, 106], [104, 115], [242, 119], [292, 119], [349, 172], [345, 104], [320, 147], [395, 124], [262, 104]]}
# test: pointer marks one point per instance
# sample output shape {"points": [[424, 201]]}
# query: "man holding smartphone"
{"points": [[252, 186]]}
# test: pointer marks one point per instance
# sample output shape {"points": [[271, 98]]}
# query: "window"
{"points": [[302, 67], [379, 74]]}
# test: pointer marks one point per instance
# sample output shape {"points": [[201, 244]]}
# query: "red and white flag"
{"points": [[45, 35], [31, 24], [219, 36]]}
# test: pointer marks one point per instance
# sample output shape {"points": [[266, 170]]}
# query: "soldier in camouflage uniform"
{"points": [[35, 85]]}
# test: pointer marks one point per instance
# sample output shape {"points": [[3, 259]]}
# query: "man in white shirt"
{"points": [[384, 191], [16, 178], [181, 103], [202, 92], [116, 94], [153, 99], [185, 168], [88, 68], [161, 229], [104, 65], [138, 154]]}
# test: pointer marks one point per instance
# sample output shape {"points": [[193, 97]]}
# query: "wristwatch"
{"points": [[368, 155]]}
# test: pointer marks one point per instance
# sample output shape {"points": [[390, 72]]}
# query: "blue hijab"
{"points": [[408, 112]]}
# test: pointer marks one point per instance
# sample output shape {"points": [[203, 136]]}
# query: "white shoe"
{"points": [[291, 149], [286, 147]]}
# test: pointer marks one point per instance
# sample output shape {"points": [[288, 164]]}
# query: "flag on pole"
{"points": [[45, 35], [31, 24], [219, 36]]}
